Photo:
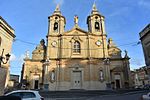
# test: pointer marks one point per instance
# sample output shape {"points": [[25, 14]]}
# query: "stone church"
{"points": [[76, 59]]}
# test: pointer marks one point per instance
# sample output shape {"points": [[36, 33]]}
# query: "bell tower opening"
{"points": [[95, 22], [55, 27], [97, 26], [56, 22]]}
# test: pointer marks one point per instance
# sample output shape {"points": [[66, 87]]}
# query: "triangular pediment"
{"points": [[76, 31], [114, 49], [117, 69]]}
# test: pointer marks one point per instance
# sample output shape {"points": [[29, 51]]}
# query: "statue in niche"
{"points": [[53, 75], [101, 75]]}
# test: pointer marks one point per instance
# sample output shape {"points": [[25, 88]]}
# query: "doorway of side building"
{"points": [[36, 82], [118, 84], [117, 81]]}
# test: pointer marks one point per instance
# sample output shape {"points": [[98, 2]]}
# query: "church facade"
{"points": [[76, 59]]}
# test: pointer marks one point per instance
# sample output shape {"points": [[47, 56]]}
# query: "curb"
{"points": [[112, 95]]}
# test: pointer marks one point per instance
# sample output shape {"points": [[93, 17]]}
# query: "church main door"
{"points": [[76, 77]]}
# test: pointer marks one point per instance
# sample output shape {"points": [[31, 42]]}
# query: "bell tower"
{"points": [[56, 28], [56, 22], [96, 28], [95, 22]]}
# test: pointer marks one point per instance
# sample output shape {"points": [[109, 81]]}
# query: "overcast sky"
{"points": [[124, 19]]}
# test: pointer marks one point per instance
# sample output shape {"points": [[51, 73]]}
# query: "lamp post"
{"points": [[2, 58]]}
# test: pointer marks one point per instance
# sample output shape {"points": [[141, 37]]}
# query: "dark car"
{"points": [[147, 86]]}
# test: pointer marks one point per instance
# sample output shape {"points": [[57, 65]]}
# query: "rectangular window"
{"points": [[76, 47]]}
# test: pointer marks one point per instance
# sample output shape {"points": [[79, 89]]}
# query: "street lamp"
{"points": [[2, 58]]}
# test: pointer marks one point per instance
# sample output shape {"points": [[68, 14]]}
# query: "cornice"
{"points": [[7, 30]]}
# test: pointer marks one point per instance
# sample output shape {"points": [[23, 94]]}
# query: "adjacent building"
{"points": [[77, 58], [140, 77], [6, 39], [13, 81], [145, 40]]}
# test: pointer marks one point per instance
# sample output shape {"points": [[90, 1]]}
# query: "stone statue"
{"points": [[76, 19], [53, 75], [27, 54], [101, 75], [126, 54]]}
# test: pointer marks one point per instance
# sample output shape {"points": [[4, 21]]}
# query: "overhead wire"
{"points": [[127, 44]]}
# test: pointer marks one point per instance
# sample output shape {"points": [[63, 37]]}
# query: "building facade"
{"points": [[6, 40], [76, 59], [13, 81], [145, 40], [140, 77]]}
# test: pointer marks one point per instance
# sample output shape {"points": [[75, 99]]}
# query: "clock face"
{"points": [[98, 43], [54, 43]]}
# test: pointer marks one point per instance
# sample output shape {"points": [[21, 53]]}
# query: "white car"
{"points": [[26, 94], [146, 97]]}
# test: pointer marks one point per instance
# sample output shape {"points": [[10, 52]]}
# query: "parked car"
{"points": [[146, 97], [26, 94], [139, 87], [147, 86]]}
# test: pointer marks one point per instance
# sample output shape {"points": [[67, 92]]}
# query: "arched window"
{"points": [[56, 26], [76, 47], [97, 26]]}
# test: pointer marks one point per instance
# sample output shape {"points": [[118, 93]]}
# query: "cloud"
{"points": [[12, 57], [58, 2]]}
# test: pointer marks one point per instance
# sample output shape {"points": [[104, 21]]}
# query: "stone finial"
{"points": [[57, 10], [94, 9], [27, 54], [110, 40], [111, 43], [42, 42]]}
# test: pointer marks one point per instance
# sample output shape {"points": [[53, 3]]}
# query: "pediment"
{"points": [[114, 49], [76, 31], [117, 69]]}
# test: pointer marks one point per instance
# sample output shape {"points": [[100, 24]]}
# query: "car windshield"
{"points": [[28, 95], [15, 94], [23, 94]]}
